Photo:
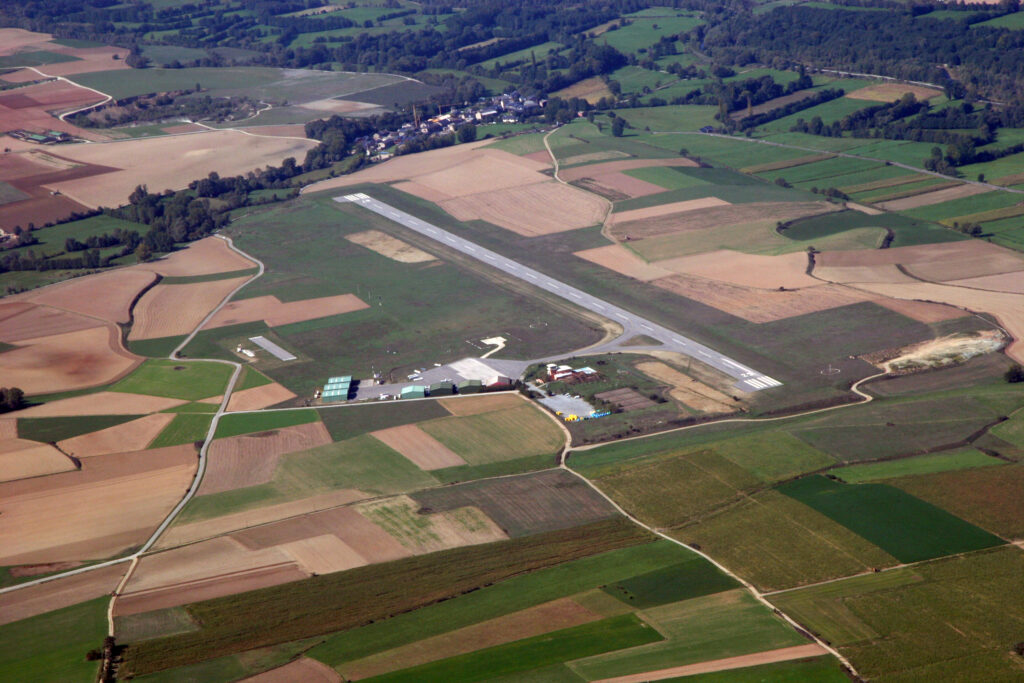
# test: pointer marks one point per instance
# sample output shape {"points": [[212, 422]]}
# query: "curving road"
{"points": [[747, 379]]}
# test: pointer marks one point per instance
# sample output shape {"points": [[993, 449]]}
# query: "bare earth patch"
{"points": [[535, 621], [890, 92], [258, 398], [759, 305], [204, 257], [250, 459], [64, 362], [474, 405], [129, 436], [558, 208], [60, 517], [687, 390], [936, 197], [747, 270], [420, 448], [102, 403], [619, 259], [195, 531], [21, 458], [53, 595], [391, 247], [301, 670], [273, 312], [169, 310]]}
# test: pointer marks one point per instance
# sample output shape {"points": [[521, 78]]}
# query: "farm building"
{"points": [[499, 382], [337, 388], [442, 389], [413, 391], [470, 386]]}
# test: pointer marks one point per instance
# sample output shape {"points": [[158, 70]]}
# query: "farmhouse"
{"points": [[566, 373]]}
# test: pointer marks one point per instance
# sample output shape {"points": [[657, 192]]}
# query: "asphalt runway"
{"points": [[746, 378]]}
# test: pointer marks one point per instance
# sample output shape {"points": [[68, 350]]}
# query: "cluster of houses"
{"points": [[507, 108], [570, 375]]}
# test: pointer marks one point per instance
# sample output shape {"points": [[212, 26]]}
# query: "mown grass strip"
{"points": [[607, 635], [345, 600], [184, 428], [247, 423], [174, 379]]}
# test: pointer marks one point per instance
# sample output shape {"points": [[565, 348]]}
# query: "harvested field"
{"points": [[8, 428], [57, 518], [128, 436], [558, 208], [1007, 308], [240, 461], [544, 618], [169, 310], [1004, 282], [371, 541], [590, 89], [422, 532], [475, 405], [226, 152], [323, 554], [391, 247], [868, 210], [587, 158], [31, 106], [410, 166], [59, 593], [626, 399], [202, 571], [617, 186], [204, 257], [301, 670], [784, 654], [944, 261], [423, 450], [258, 398], [273, 312], [921, 311], [27, 172], [104, 295], [22, 458], [709, 212], [856, 274], [929, 198], [570, 174], [526, 504], [890, 92], [102, 403], [13, 40], [43, 321], [422, 191], [188, 533], [746, 270], [687, 390], [759, 305], [486, 171], [619, 259], [63, 362]]}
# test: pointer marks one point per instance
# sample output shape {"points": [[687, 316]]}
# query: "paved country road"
{"points": [[633, 325]]}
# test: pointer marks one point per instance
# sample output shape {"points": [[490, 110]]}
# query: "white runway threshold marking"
{"points": [[746, 378]]}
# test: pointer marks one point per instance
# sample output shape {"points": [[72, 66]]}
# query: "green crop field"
{"points": [[353, 598], [614, 633], [174, 379], [155, 624], [822, 172], [690, 579], [907, 527], [184, 428], [539, 51], [667, 177], [51, 647], [906, 231], [48, 429], [9, 193], [420, 313], [987, 496], [346, 422], [712, 627], [670, 117], [775, 542], [986, 201], [817, 669], [643, 32], [507, 434], [951, 619], [830, 111], [246, 423], [35, 58], [960, 459]]}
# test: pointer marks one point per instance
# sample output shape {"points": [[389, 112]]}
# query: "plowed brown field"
{"points": [[423, 450], [942, 262], [474, 405], [21, 458], [301, 670], [53, 595], [936, 197], [203, 257], [273, 312], [112, 503], [921, 310], [169, 310], [890, 92], [104, 295], [557, 208], [43, 321], [129, 436], [698, 218], [102, 403], [258, 398], [619, 259], [240, 461], [746, 270], [64, 362]]}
